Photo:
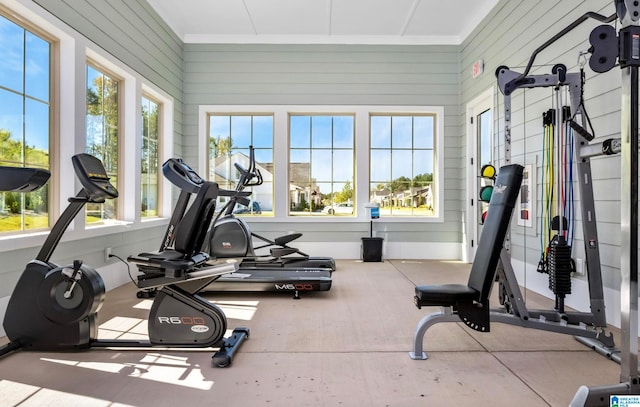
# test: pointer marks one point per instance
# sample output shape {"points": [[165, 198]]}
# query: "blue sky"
{"points": [[24, 70], [401, 145]]}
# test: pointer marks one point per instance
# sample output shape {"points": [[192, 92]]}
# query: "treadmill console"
{"points": [[20, 179], [181, 175], [91, 173]]}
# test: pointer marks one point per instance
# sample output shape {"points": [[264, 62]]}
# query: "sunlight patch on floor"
{"points": [[154, 366], [14, 393]]}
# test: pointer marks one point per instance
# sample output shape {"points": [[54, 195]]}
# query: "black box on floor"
{"points": [[372, 248]]}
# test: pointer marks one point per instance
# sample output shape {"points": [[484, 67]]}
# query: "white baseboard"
{"points": [[390, 250]]}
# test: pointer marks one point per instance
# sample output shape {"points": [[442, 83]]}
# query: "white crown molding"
{"points": [[321, 39]]}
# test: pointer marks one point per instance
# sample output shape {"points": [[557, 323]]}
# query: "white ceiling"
{"points": [[323, 21]]}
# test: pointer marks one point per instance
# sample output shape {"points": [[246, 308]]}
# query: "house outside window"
{"points": [[25, 124], [402, 164], [230, 136], [321, 165], [102, 132]]}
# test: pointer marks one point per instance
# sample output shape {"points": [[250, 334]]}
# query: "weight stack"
{"points": [[559, 266]]}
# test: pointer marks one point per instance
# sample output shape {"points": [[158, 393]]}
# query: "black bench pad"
{"points": [[444, 294]]}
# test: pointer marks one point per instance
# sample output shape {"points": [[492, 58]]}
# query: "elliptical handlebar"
{"points": [[182, 175], [247, 175]]}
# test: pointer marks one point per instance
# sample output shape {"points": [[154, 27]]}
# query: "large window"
{"points": [[327, 162], [321, 165], [149, 158], [102, 135], [402, 166], [25, 83], [230, 136]]}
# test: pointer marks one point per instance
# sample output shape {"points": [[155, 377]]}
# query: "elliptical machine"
{"points": [[284, 273], [55, 307], [230, 237]]}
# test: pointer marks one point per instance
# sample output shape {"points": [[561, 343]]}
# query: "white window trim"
{"points": [[281, 154], [75, 51]]}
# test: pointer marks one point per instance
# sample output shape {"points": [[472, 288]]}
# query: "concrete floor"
{"points": [[345, 347]]}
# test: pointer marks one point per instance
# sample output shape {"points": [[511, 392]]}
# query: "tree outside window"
{"points": [[149, 159], [25, 82], [402, 164], [102, 136]]}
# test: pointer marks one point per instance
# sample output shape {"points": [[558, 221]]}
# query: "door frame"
{"points": [[477, 105]]}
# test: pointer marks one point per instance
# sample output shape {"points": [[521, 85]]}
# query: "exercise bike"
{"points": [[56, 307]]}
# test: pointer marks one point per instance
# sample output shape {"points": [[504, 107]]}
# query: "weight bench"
{"points": [[470, 303]]}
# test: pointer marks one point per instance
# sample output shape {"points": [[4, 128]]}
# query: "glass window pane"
{"points": [[380, 165], [37, 67], [401, 161], [263, 131], [219, 137], [299, 131], [331, 166], [264, 157], [343, 128], [24, 122], [229, 142], [321, 129], [299, 167], [380, 131], [401, 132], [12, 55], [102, 130], [321, 165], [484, 127], [343, 165], [423, 132], [11, 123], [401, 178], [326, 191], [149, 159], [240, 131], [422, 162], [36, 128]]}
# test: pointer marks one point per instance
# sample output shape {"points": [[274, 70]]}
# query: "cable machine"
{"points": [[590, 325], [609, 48]]}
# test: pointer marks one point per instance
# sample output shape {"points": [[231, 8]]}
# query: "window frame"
{"points": [[104, 68], [70, 53], [53, 104], [411, 149], [206, 172], [311, 148], [361, 150]]}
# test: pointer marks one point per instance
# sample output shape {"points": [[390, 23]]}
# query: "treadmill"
{"points": [[285, 269]]}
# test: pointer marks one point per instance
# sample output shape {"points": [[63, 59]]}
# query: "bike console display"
{"points": [[21, 179], [93, 177]]}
